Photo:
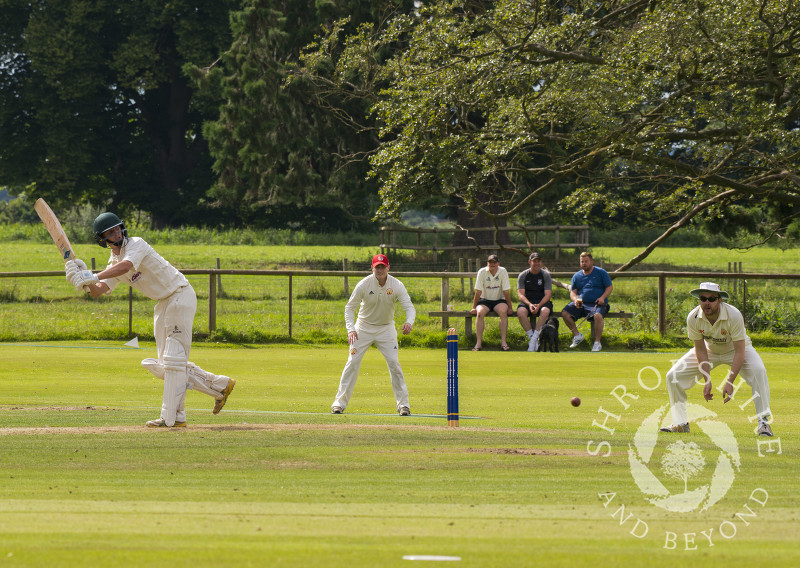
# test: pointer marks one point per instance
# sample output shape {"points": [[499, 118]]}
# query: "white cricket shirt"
{"points": [[719, 337], [151, 274], [492, 287], [377, 304]]}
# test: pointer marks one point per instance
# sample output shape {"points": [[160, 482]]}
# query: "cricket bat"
{"points": [[54, 228]]}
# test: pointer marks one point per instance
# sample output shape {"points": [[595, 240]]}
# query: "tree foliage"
{"points": [[274, 149], [659, 112], [95, 107]]}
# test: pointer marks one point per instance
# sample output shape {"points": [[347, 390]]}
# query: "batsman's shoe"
{"points": [[576, 340], [597, 346], [682, 428], [161, 423], [220, 402], [404, 411], [337, 410], [765, 429]]}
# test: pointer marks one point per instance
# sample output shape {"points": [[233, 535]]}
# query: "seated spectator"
{"points": [[492, 293], [534, 290], [589, 291]]}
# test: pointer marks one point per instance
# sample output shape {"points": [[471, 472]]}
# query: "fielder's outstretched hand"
{"points": [[707, 394], [727, 391]]}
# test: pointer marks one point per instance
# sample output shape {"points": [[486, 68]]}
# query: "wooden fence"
{"points": [[214, 279], [579, 233]]}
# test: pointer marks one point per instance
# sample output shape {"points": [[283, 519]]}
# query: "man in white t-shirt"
{"points": [[135, 263], [492, 294], [719, 336], [375, 297]]}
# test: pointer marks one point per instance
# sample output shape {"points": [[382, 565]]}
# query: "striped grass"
{"points": [[275, 480]]}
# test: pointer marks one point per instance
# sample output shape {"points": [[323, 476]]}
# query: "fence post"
{"points": [[92, 263], [212, 303], [744, 301], [461, 269], [219, 281], [290, 306], [435, 245], [662, 304], [130, 310], [346, 282], [445, 301], [558, 241]]}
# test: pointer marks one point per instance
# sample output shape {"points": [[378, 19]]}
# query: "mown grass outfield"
{"points": [[275, 480]]}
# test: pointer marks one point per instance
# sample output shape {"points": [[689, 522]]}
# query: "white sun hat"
{"points": [[709, 287]]}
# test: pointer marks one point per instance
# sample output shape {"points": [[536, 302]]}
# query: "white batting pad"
{"points": [[154, 367], [202, 381], [174, 379]]}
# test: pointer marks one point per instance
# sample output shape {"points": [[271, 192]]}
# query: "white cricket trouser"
{"points": [[685, 373], [386, 342], [173, 317]]}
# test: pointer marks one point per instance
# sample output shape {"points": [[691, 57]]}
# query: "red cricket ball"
{"points": [[575, 401]]}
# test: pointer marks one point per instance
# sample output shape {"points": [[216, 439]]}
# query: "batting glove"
{"points": [[81, 280], [74, 265]]}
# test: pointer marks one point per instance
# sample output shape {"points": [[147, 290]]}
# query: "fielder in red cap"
{"points": [[375, 296]]}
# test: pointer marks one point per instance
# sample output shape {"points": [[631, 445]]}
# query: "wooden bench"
{"points": [[468, 317]]}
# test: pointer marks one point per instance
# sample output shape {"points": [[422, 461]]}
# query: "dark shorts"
{"points": [[587, 309], [548, 305], [490, 303]]}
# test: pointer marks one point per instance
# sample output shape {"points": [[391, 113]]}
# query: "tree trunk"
{"points": [[483, 239]]}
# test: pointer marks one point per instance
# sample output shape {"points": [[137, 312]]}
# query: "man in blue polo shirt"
{"points": [[590, 288]]}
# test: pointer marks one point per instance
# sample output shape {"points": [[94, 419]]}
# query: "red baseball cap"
{"points": [[380, 259]]}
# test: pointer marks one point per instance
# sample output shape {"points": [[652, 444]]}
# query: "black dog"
{"points": [[548, 336]]}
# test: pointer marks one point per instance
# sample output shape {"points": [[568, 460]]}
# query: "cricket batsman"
{"points": [[375, 296], [135, 263]]}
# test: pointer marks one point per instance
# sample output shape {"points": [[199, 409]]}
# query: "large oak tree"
{"points": [[659, 112]]}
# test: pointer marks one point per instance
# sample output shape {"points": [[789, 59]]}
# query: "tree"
{"points": [[95, 106], [683, 461], [274, 149], [664, 112]]}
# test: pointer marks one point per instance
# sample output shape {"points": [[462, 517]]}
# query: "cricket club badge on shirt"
{"points": [[389, 291]]}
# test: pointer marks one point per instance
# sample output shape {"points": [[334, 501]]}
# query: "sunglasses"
{"points": [[710, 299]]}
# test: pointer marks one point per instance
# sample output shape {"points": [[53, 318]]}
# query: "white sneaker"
{"points": [[576, 340], [597, 346], [533, 342], [161, 423]]}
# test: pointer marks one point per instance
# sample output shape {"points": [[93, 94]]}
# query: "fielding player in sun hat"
{"points": [[375, 297], [534, 289], [134, 262], [719, 336]]}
